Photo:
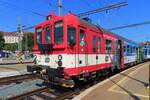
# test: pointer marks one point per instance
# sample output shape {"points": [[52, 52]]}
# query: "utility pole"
{"points": [[19, 35], [60, 7], [130, 25], [26, 38]]}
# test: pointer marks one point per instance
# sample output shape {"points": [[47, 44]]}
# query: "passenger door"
{"points": [[118, 54], [82, 52]]}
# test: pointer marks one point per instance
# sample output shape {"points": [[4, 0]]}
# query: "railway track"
{"points": [[31, 93], [53, 92], [47, 93], [16, 79]]}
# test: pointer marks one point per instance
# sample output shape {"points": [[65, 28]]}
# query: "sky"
{"points": [[135, 12]]}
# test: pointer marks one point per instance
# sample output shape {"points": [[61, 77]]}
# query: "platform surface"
{"points": [[14, 69], [132, 84], [14, 61]]}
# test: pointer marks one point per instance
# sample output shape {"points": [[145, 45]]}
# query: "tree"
{"points": [[11, 46], [28, 41], [2, 41]]}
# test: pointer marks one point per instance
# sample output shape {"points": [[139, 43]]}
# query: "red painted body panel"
{"points": [[86, 69], [90, 31]]}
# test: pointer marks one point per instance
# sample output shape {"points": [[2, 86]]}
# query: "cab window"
{"points": [[58, 32], [71, 35], [47, 34], [39, 35], [82, 38]]}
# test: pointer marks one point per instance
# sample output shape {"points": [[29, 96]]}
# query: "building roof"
{"points": [[10, 33]]}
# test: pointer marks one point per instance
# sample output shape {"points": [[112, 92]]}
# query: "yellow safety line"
{"points": [[123, 79], [139, 95]]}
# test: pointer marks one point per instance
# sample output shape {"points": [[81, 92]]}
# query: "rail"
{"points": [[24, 95], [15, 79]]}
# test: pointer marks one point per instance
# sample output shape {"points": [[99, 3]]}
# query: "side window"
{"points": [[131, 48], [124, 48], [128, 49], [99, 44], [82, 38], [71, 35], [94, 43], [145, 51], [108, 44]]}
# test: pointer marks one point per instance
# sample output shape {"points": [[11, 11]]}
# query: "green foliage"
{"points": [[30, 41], [2, 41], [11, 46]]}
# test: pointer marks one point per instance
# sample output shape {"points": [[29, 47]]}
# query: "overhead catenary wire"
{"points": [[129, 25], [96, 10], [117, 5]]}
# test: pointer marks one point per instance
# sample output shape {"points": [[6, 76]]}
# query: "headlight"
{"points": [[59, 57], [59, 63]]}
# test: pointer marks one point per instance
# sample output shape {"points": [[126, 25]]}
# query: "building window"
{"points": [[82, 38], [108, 44], [94, 43], [58, 32]]}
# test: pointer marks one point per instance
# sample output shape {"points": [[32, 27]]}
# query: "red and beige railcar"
{"points": [[67, 48]]}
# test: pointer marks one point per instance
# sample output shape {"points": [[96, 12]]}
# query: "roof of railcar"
{"points": [[105, 30]]}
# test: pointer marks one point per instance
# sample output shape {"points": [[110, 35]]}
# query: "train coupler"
{"points": [[67, 83]]}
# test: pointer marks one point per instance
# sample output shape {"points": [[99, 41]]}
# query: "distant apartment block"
{"points": [[11, 37]]}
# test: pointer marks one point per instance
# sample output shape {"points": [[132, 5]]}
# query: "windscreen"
{"points": [[58, 32], [39, 35], [47, 34]]}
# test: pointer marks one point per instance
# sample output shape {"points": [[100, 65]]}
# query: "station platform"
{"points": [[14, 69], [14, 61], [131, 84]]}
